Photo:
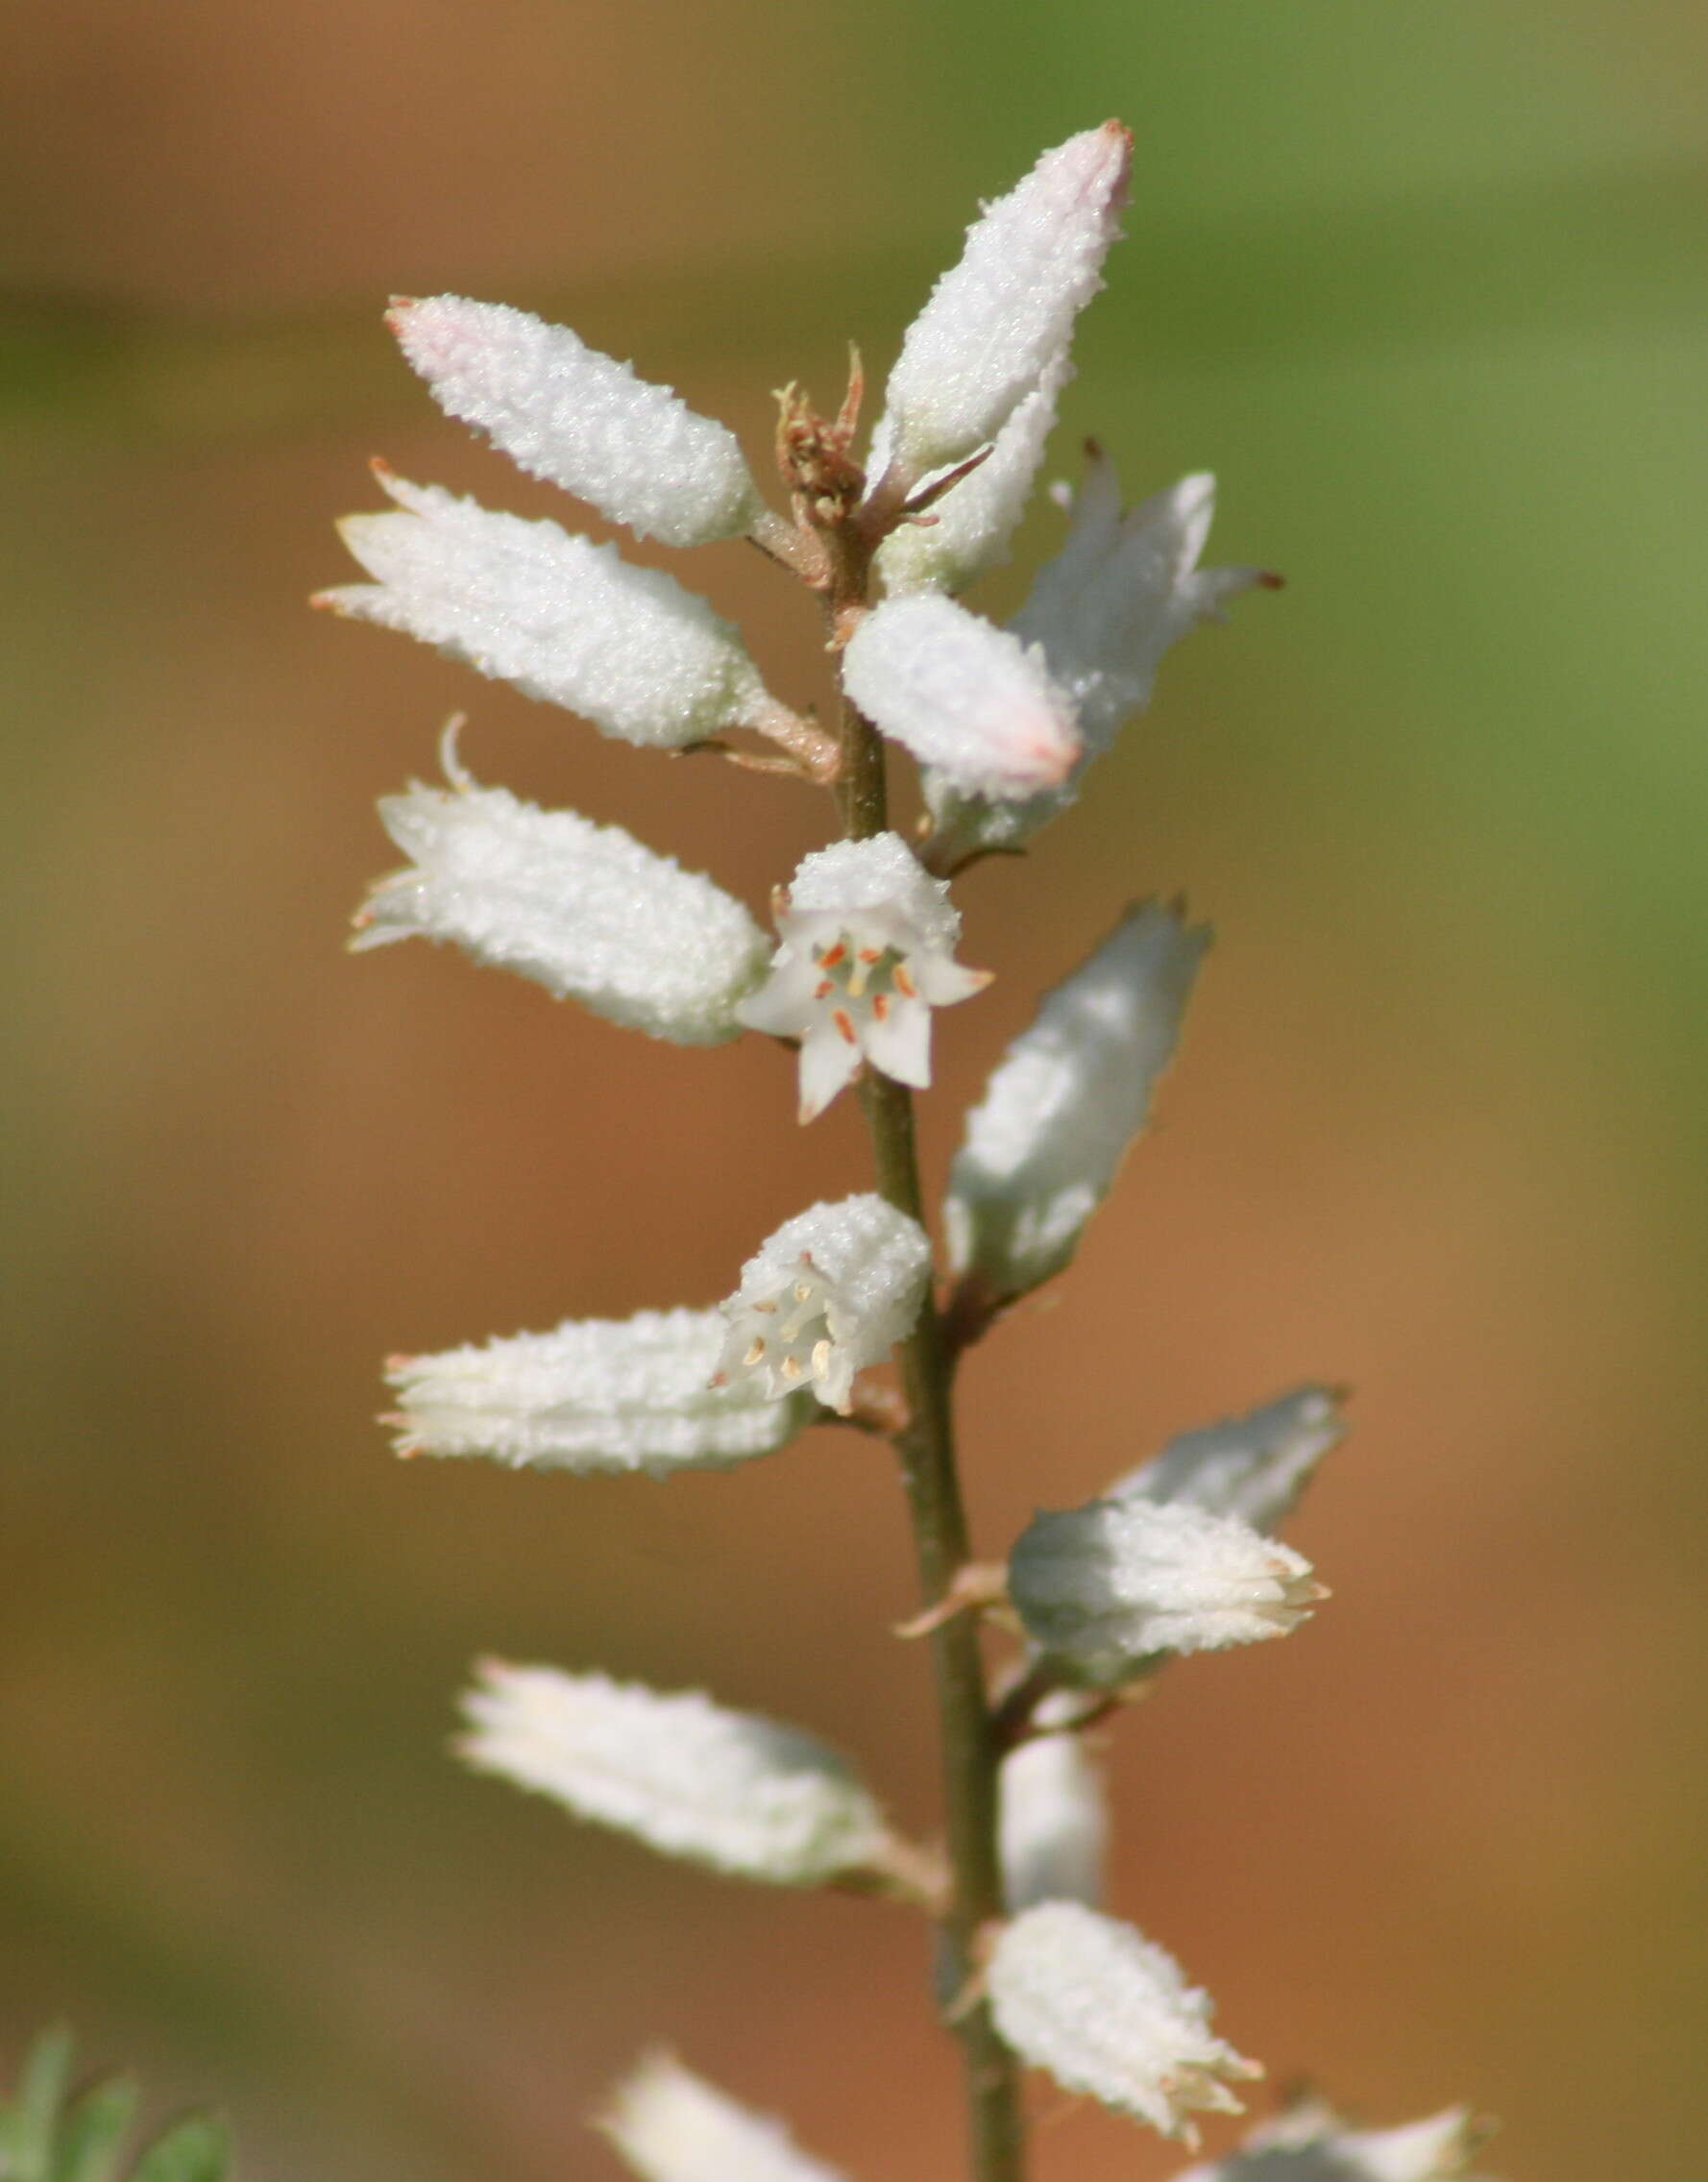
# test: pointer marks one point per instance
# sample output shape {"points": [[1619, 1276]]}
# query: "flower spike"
{"points": [[865, 956], [564, 413]]}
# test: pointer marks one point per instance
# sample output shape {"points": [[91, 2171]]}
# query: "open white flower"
{"points": [[562, 619], [1254, 1467], [743, 1794], [968, 699], [830, 1292], [565, 412], [1067, 1100], [1108, 2012], [583, 909], [867, 938], [1310, 2143], [998, 320], [1105, 1589], [594, 1397], [671, 2125]]}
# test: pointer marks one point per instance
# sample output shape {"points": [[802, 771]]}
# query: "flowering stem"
{"points": [[926, 1448]]}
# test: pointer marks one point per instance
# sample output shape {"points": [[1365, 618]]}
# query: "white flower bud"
{"points": [[970, 526], [866, 940], [1310, 2143], [579, 419], [830, 1292], [1254, 1467], [962, 694], [997, 320], [583, 909], [1108, 2013], [729, 1789], [1102, 612], [1054, 1823], [563, 620], [596, 1396], [671, 2125], [1067, 1100], [1105, 1589]]}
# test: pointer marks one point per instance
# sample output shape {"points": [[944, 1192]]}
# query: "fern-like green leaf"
{"points": [[48, 2134]]}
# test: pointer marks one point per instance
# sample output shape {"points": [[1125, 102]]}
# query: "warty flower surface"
{"points": [[1254, 1467], [1001, 316], [975, 704], [1044, 1145], [1108, 2013], [742, 1793], [583, 909], [562, 619], [579, 419], [866, 944], [828, 1295], [597, 1396], [1105, 1589], [671, 2125]]}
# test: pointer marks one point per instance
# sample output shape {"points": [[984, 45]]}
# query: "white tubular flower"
{"points": [[1108, 2013], [1067, 1100], [1054, 1823], [597, 1396], [1254, 1467], [563, 620], [564, 413], [742, 1793], [671, 2125], [866, 940], [995, 323], [583, 909], [1121, 590], [1105, 1589], [830, 1292], [971, 526], [1102, 612], [965, 697], [1310, 2143]]}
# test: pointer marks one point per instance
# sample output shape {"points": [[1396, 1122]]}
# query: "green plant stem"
{"points": [[926, 1448]]}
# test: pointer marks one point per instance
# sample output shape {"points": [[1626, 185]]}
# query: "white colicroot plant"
{"points": [[837, 1316]]}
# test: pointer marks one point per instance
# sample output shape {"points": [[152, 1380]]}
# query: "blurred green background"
{"points": [[1426, 287]]}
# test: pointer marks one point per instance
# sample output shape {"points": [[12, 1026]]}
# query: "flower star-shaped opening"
{"points": [[786, 1340], [868, 939]]}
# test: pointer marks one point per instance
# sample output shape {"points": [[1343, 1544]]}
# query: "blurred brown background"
{"points": [[1426, 288]]}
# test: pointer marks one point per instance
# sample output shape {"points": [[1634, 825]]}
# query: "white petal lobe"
{"points": [[998, 319], [742, 1793], [597, 1396], [1061, 1107], [567, 413], [671, 2125], [962, 696], [569, 622], [584, 910], [1108, 2013]]}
